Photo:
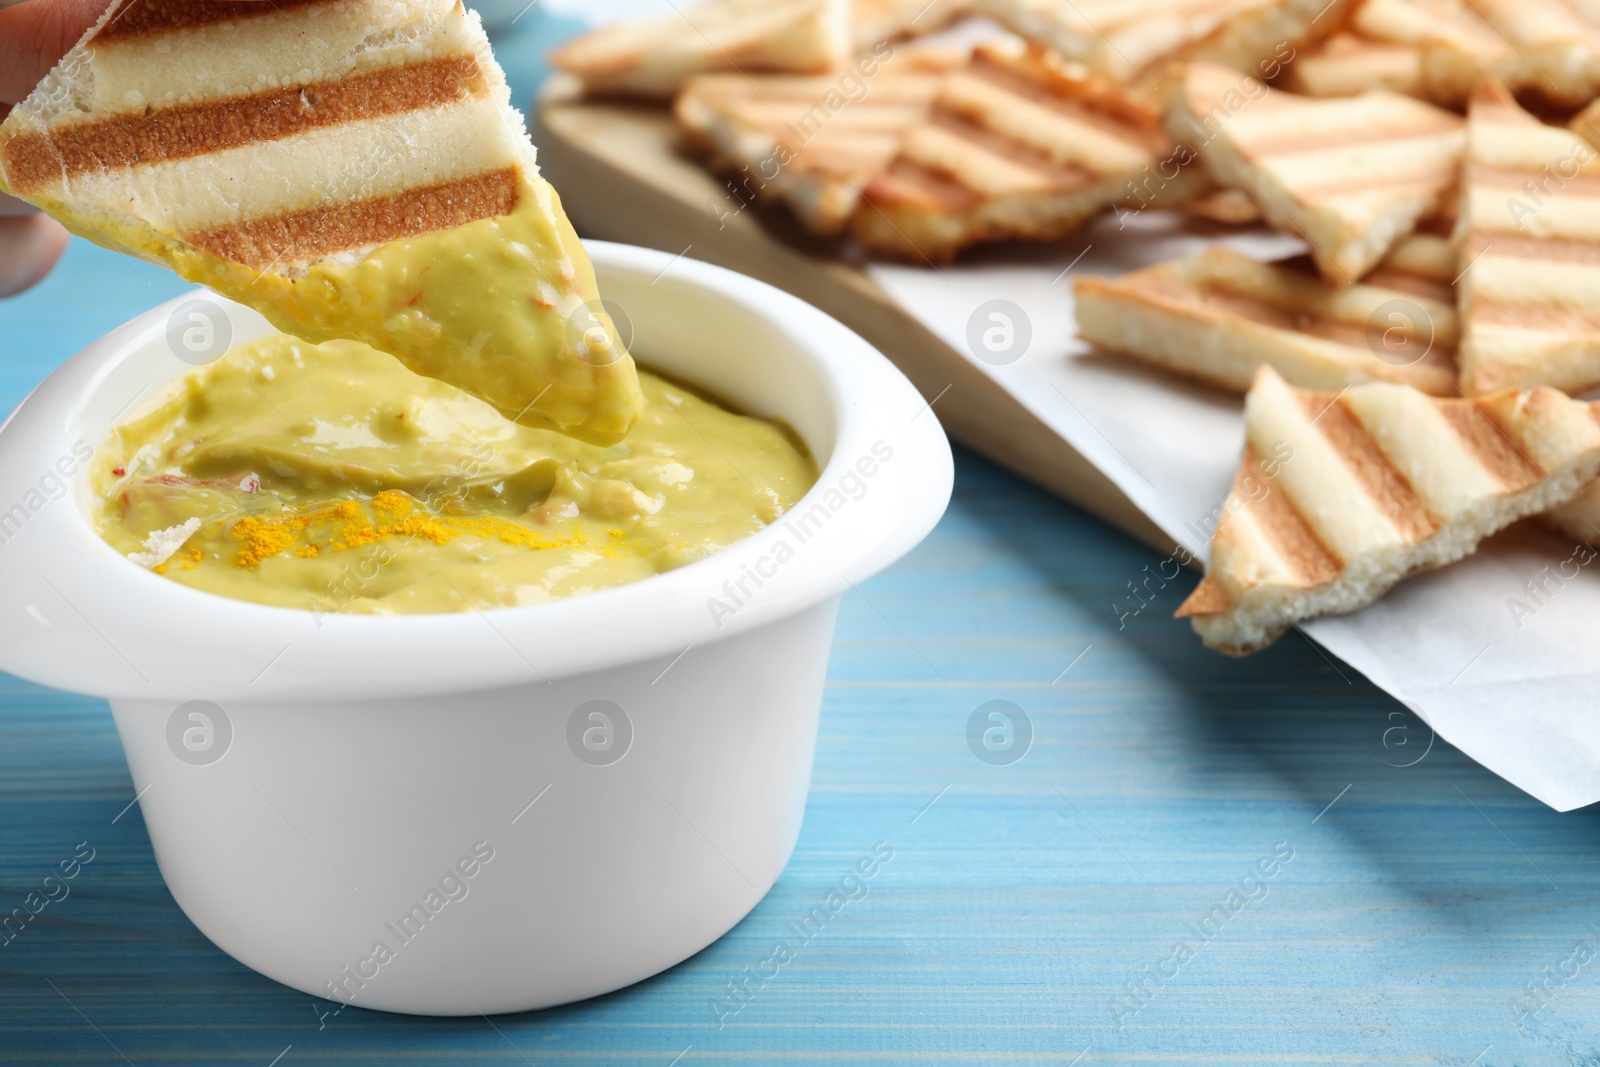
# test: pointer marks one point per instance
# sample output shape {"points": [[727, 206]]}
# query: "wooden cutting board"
{"points": [[624, 176]]}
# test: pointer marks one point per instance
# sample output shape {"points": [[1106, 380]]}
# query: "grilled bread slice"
{"points": [[1556, 44], [1136, 39], [1220, 316], [1347, 64], [351, 168], [1530, 254], [811, 142], [1340, 496], [1454, 46], [1123, 39], [652, 58], [1350, 176], [1018, 145]]}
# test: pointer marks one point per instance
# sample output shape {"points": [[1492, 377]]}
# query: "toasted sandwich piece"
{"points": [[1220, 317], [351, 169], [1350, 176], [1530, 283], [812, 142], [874, 22], [1347, 65], [1341, 495], [1018, 145], [1136, 39], [651, 58]]}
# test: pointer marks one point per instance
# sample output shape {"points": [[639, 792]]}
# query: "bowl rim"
{"points": [[75, 614]]}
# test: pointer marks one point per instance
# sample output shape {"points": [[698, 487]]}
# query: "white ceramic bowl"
{"points": [[344, 767]]}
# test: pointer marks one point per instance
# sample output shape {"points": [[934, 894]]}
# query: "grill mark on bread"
{"points": [[913, 181], [743, 123], [990, 164], [1515, 180], [841, 159], [1291, 538], [907, 182], [1215, 293], [1524, 246], [1489, 311], [1526, 316], [37, 159], [889, 117], [1426, 178], [1109, 113], [1277, 146], [1221, 290], [140, 18], [1488, 444], [1061, 176], [1380, 480], [303, 236]]}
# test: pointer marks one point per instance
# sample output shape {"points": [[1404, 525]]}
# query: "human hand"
{"points": [[33, 36]]}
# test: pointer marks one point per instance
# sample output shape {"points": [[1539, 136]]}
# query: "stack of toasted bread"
{"points": [[1408, 396], [1407, 377], [918, 150]]}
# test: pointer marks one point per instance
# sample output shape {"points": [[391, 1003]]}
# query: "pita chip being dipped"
{"points": [[351, 169]]}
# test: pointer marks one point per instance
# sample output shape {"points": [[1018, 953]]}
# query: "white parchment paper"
{"points": [[1515, 691]]}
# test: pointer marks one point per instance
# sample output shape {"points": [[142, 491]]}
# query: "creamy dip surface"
{"points": [[505, 308], [331, 478]]}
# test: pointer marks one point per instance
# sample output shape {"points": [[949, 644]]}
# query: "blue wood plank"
{"points": [[1023, 901]]}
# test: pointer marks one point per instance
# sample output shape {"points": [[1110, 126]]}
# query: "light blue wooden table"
{"points": [[1071, 907]]}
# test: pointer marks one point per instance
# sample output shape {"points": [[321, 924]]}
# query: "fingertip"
{"points": [[29, 248]]}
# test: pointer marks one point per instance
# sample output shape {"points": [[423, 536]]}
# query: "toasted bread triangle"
{"points": [[1019, 144], [1350, 176], [1219, 316], [805, 139], [1341, 495], [316, 181], [653, 58], [1134, 40], [1530, 282]]}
